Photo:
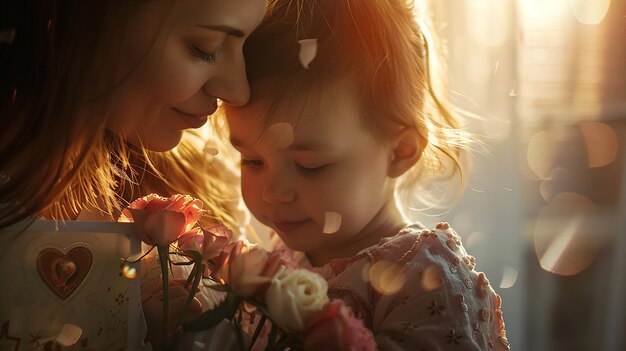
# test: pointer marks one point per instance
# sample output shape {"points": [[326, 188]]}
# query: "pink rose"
{"points": [[219, 271], [247, 268], [159, 220], [251, 272], [208, 242], [335, 328]]}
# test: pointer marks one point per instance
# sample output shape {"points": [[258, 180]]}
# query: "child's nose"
{"points": [[278, 191]]}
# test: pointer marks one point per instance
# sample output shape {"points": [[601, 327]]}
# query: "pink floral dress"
{"points": [[418, 290]]}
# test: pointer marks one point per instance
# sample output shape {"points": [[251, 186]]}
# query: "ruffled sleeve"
{"points": [[419, 291], [441, 302]]}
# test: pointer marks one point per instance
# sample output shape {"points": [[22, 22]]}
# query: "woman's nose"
{"points": [[230, 83], [277, 190]]}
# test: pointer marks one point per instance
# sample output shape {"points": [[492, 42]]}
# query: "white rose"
{"points": [[293, 296]]}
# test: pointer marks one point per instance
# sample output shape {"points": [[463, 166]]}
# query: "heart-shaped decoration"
{"points": [[63, 273]]}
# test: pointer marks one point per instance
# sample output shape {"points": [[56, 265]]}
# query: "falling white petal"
{"points": [[211, 150], [279, 136], [332, 222], [308, 50], [69, 335], [509, 276]]}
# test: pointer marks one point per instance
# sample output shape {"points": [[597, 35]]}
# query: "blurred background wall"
{"points": [[545, 209]]}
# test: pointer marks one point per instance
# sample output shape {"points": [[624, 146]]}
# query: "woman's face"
{"points": [[179, 58]]}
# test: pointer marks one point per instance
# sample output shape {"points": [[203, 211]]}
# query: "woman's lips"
{"points": [[193, 120], [289, 226]]}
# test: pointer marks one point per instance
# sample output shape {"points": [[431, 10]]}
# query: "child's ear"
{"points": [[406, 150]]}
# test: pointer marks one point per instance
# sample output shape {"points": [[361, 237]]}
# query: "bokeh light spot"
{"points": [[432, 278], [539, 154], [387, 277], [474, 239], [565, 241], [128, 271], [602, 143], [589, 11]]}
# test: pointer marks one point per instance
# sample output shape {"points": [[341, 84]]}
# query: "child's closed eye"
{"points": [[307, 170]]}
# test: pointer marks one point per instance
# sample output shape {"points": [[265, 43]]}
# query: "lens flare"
{"points": [[566, 239]]}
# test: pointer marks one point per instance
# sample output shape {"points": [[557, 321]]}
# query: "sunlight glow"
{"points": [[590, 11]]}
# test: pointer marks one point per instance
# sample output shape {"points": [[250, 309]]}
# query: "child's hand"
{"points": [[335, 328], [152, 301]]}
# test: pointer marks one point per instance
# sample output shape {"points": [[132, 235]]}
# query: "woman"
{"points": [[87, 87], [93, 95]]}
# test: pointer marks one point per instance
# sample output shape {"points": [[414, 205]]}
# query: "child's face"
{"points": [[332, 165], [189, 54]]}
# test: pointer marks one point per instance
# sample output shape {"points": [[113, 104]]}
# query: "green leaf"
{"points": [[209, 319]]}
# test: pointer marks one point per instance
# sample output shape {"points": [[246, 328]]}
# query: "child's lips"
{"points": [[286, 227]]}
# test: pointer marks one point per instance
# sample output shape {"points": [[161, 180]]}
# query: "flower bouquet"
{"points": [[289, 301]]}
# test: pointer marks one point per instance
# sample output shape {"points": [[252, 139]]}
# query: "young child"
{"points": [[325, 151]]}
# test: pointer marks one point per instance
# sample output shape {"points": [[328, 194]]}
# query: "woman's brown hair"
{"points": [[56, 155]]}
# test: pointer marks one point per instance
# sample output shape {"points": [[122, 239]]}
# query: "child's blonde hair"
{"points": [[392, 58]]}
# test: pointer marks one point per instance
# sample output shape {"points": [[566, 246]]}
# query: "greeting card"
{"points": [[65, 286]]}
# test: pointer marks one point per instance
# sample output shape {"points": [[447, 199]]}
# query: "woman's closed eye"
{"points": [[201, 54], [251, 163]]}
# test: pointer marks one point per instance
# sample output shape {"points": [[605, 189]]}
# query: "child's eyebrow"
{"points": [[310, 147]]}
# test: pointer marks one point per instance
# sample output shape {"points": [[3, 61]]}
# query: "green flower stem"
{"points": [[140, 257], [258, 330], [163, 261], [197, 270]]}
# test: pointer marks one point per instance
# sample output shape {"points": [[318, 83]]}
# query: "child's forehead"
{"points": [[270, 121]]}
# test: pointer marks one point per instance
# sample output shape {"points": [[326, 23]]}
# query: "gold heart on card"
{"points": [[63, 273]]}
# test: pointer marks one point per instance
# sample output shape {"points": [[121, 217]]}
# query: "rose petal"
{"points": [[332, 222], [155, 203], [192, 240], [308, 50], [163, 228]]}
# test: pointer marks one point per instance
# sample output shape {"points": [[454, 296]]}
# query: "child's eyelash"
{"points": [[312, 170], [203, 55]]}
